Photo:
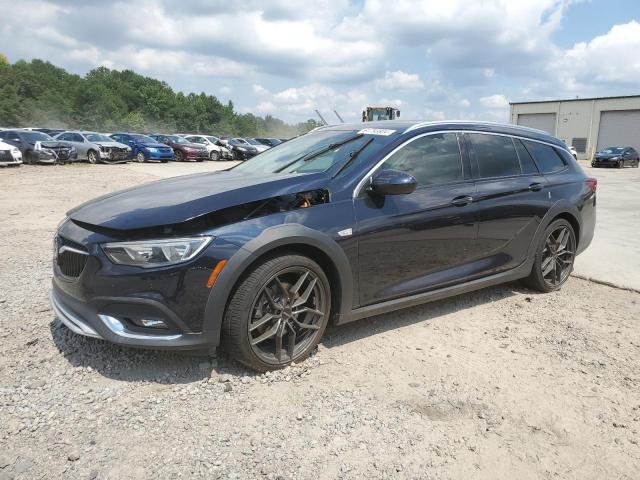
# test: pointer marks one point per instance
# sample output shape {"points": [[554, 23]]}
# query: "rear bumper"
{"points": [[101, 320]]}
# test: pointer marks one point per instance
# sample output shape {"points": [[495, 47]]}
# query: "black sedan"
{"points": [[616, 157], [38, 147], [342, 223]]}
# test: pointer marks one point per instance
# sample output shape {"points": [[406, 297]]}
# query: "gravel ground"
{"points": [[501, 383]]}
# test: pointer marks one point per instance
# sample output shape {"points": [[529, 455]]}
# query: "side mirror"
{"points": [[392, 182]]}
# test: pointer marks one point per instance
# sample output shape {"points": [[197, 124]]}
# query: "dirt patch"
{"points": [[501, 383]]}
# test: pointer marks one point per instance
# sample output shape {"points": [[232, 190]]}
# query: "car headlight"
{"points": [[155, 253], [152, 149]]}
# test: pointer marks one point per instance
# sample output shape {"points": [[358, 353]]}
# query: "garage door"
{"points": [[541, 121], [619, 128]]}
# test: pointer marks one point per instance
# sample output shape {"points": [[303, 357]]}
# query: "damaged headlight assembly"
{"points": [[155, 253]]}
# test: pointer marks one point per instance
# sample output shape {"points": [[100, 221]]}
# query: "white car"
{"points": [[216, 151], [574, 152], [254, 143], [9, 155]]}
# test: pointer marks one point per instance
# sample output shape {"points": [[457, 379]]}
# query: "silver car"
{"points": [[96, 147]]}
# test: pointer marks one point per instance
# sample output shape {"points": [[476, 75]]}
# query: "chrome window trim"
{"points": [[372, 170]]}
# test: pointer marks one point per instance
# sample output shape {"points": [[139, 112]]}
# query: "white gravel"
{"points": [[501, 383]]}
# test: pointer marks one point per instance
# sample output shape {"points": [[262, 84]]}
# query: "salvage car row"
{"points": [[56, 147]]}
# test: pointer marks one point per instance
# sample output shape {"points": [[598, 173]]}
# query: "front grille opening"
{"points": [[71, 264]]}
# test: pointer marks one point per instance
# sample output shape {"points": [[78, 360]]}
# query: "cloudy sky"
{"points": [[434, 59]]}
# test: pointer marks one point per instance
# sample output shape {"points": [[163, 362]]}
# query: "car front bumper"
{"points": [[88, 319], [158, 155], [605, 163]]}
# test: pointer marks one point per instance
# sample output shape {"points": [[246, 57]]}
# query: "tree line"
{"points": [[39, 94]]}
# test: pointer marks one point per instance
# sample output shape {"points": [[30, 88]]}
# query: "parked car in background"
{"points": [[339, 224], [10, 155], [574, 152], [244, 148], [183, 150], [616, 157], [213, 145], [144, 148], [52, 132], [269, 142], [38, 147], [96, 147]]}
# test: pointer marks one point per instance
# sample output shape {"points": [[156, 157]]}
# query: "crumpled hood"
{"points": [[52, 144], [176, 200], [112, 144]]}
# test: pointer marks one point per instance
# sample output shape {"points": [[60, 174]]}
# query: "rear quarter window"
{"points": [[546, 157]]}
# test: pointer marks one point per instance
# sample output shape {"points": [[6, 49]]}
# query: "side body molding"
{"points": [[270, 239]]}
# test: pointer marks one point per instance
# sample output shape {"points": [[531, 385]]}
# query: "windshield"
{"points": [[177, 139], [143, 138], [212, 139], [98, 137], [36, 137], [613, 150], [253, 141], [288, 157]]}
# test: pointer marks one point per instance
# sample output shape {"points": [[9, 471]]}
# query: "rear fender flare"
{"points": [[559, 208]]}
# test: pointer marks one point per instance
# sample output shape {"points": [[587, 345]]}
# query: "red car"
{"points": [[182, 149]]}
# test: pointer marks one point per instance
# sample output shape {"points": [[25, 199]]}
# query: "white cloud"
{"points": [[464, 103], [494, 101], [400, 80]]}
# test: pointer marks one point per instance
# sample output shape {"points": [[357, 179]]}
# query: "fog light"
{"points": [[151, 323]]}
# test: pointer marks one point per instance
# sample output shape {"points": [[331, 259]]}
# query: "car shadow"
{"points": [[342, 334], [171, 367]]}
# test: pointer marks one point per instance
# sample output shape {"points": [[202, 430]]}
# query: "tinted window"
{"points": [[432, 160], [495, 154], [545, 156], [76, 137], [526, 162]]}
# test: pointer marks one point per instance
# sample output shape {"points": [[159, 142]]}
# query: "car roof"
{"points": [[404, 126]]}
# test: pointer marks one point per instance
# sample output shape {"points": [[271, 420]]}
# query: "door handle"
{"points": [[462, 201], [536, 187]]}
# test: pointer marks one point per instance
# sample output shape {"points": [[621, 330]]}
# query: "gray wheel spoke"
{"points": [[270, 299], [285, 292], [268, 334], [291, 343], [299, 283], [261, 321], [305, 296], [279, 334], [550, 266], [309, 326], [295, 313]]}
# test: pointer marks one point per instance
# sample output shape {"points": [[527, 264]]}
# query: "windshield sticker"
{"points": [[376, 131]]}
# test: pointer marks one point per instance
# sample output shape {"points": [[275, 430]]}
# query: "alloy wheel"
{"points": [[140, 157], [92, 157], [287, 315], [557, 256]]}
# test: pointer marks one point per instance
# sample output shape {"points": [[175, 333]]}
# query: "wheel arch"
{"points": [[288, 238], [561, 209]]}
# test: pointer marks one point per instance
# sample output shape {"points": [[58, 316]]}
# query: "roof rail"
{"points": [[473, 122]]}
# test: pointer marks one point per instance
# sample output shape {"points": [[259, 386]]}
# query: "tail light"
{"points": [[592, 183]]}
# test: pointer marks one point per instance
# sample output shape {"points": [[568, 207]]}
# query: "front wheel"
{"points": [[140, 157], [278, 313], [554, 257], [214, 156], [620, 163], [178, 156]]}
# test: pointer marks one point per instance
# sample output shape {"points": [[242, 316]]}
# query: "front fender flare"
{"points": [[269, 240]]}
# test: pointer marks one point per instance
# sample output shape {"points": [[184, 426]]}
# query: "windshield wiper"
{"points": [[352, 156], [310, 156]]}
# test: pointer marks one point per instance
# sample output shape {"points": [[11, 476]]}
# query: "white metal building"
{"points": [[588, 124]]}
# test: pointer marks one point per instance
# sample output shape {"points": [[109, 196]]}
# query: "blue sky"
{"points": [[432, 59]]}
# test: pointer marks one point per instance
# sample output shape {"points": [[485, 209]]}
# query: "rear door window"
{"points": [[495, 155], [526, 162], [545, 156]]}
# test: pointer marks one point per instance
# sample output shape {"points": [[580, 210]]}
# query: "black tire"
{"points": [[140, 158], [536, 278], [92, 157], [178, 156], [164, 161], [620, 163], [214, 156], [32, 158], [274, 274], [635, 165]]}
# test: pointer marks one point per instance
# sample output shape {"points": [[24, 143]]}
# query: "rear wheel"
{"points": [[278, 313], [554, 258], [92, 156]]}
